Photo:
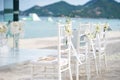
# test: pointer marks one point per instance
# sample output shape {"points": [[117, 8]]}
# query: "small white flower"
{"points": [[16, 28], [3, 28]]}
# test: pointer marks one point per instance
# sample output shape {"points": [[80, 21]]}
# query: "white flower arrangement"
{"points": [[98, 29], [3, 28], [103, 28], [16, 28]]}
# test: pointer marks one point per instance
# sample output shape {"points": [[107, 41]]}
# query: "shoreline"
{"points": [[38, 42], [51, 42]]}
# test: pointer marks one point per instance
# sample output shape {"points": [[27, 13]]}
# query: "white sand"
{"points": [[38, 42], [113, 34], [52, 41]]}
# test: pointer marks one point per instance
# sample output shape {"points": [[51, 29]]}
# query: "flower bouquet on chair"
{"points": [[68, 28], [16, 30]]}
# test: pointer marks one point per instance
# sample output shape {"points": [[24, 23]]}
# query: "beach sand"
{"points": [[51, 42], [38, 43], [22, 72]]}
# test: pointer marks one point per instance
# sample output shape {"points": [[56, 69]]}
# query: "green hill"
{"points": [[92, 9], [56, 9], [100, 9]]}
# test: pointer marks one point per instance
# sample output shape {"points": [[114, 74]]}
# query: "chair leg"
{"points": [[88, 69], [100, 63], [59, 75], [65, 76], [32, 70], [71, 78], [105, 61], [95, 61], [96, 66], [77, 70]]}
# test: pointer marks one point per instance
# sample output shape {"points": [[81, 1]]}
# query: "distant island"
{"points": [[92, 9]]}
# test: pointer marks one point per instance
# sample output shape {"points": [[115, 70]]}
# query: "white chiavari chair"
{"points": [[85, 49], [101, 43], [62, 63]]}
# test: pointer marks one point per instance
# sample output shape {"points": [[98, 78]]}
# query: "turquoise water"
{"points": [[39, 29], [1, 18], [45, 28]]}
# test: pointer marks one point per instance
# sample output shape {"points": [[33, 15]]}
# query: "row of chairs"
{"points": [[90, 45], [94, 40]]}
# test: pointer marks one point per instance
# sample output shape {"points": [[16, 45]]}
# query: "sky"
{"points": [[25, 4]]}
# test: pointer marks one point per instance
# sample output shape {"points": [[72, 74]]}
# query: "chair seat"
{"points": [[47, 60]]}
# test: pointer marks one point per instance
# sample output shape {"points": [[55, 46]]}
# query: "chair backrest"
{"points": [[83, 27], [101, 29], [82, 41], [85, 43], [64, 39], [101, 34]]}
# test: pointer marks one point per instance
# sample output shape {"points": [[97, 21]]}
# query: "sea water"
{"points": [[46, 28]]}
